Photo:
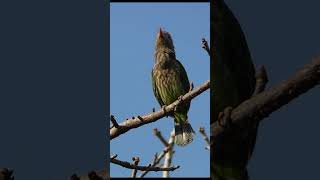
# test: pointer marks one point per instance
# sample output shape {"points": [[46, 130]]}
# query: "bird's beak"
{"points": [[160, 33]]}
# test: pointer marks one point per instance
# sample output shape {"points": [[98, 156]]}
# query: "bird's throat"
{"points": [[164, 56]]}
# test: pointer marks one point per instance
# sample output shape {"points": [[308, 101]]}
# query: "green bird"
{"points": [[170, 81], [233, 77]]}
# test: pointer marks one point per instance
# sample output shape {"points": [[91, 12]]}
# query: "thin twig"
{"points": [[205, 137], [135, 162], [152, 117], [205, 46], [114, 121], [159, 135], [155, 161], [114, 156], [157, 158]]}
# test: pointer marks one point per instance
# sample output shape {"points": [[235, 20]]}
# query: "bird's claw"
{"points": [[164, 110], [180, 99]]}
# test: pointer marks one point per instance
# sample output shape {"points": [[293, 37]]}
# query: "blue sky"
{"points": [[132, 40]]}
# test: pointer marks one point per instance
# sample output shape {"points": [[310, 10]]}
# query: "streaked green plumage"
{"points": [[233, 77], [169, 82]]}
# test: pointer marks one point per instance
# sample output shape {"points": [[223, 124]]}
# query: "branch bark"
{"points": [[158, 134], [157, 159], [168, 156], [141, 168], [136, 161], [205, 137], [263, 104], [138, 121]]}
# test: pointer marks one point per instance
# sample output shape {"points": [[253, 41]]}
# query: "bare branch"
{"points": [[152, 117], [156, 160], [114, 156], [205, 137], [141, 168], [114, 122], [159, 135], [262, 105], [168, 156], [205, 46], [135, 162]]}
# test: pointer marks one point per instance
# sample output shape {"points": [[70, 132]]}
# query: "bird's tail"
{"points": [[183, 133]]}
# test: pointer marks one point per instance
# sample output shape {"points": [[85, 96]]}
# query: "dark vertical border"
{"points": [[107, 80], [54, 68], [211, 73]]}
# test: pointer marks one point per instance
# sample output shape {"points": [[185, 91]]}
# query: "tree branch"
{"points": [[161, 138], [168, 156], [136, 122], [114, 121], [141, 168], [157, 159], [136, 161], [205, 46], [263, 104], [205, 137], [154, 163]]}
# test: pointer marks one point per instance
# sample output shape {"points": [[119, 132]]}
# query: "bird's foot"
{"points": [[164, 110], [180, 99], [175, 108], [224, 118]]}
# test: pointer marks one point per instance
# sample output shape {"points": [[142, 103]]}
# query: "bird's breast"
{"points": [[168, 83]]}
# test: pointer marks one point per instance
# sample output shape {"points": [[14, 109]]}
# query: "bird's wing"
{"points": [[184, 82], [155, 90], [183, 77]]}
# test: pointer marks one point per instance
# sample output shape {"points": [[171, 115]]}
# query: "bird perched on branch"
{"points": [[170, 82], [233, 77]]}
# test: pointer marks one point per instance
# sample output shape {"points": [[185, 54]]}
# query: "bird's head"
{"points": [[164, 40]]}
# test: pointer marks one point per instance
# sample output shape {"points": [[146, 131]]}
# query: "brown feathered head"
{"points": [[164, 40]]}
